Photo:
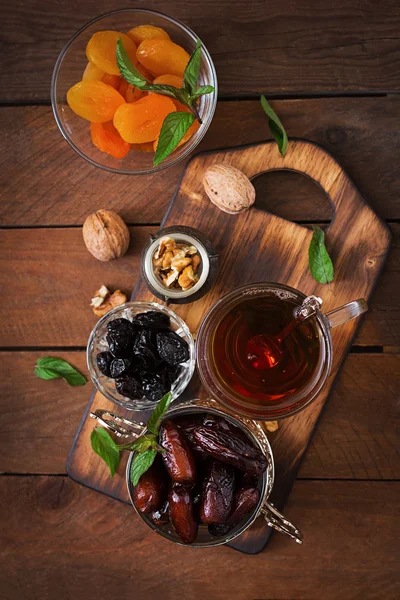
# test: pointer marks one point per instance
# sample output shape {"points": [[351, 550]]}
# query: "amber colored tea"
{"points": [[241, 371]]}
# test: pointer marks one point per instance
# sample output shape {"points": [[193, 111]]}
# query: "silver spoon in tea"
{"points": [[264, 351]]}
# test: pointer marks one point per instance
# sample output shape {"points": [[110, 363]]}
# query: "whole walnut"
{"points": [[228, 188], [105, 234]]}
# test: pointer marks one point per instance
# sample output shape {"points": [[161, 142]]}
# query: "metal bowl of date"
{"points": [[138, 352], [258, 451]]}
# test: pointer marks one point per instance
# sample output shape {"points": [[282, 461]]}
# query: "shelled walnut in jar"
{"points": [[176, 264]]}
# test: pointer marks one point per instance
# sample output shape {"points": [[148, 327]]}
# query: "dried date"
{"points": [[244, 503], [161, 516], [217, 495], [231, 450], [178, 458], [182, 514], [150, 492]]}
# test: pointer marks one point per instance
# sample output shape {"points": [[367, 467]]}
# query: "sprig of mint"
{"points": [[175, 124], [275, 126], [145, 447], [319, 261], [173, 129], [49, 367]]}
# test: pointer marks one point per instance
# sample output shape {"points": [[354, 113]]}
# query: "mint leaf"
{"points": [[106, 448], [126, 68], [141, 463], [275, 126], [192, 70], [141, 444], [172, 131], [164, 90], [203, 89], [154, 422], [319, 261], [49, 367]]}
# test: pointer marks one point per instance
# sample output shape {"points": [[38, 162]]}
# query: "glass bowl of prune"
{"points": [[138, 352], [211, 482]]}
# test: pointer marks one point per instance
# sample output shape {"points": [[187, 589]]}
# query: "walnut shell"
{"points": [[105, 234], [228, 188]]}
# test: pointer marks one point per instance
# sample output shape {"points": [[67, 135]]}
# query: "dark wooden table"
{"points": [[332, 71]]}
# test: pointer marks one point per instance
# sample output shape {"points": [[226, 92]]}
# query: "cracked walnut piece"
{"points": [[176, 264], [103, 301]]}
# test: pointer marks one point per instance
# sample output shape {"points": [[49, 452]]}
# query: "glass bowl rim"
{"points": [[153, 306], [162, 165], [223, 396]]}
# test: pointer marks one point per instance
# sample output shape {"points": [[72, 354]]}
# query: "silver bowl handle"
{"points": [[114, 423], [276, 520]]}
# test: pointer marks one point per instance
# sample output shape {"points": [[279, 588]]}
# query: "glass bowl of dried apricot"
{"points": [[134, 91]]}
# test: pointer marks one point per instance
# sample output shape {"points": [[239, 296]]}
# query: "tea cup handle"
{"points": [[114, 423], [276, 520], [347, 312]]}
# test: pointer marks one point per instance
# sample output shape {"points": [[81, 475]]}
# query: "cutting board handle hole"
{"points": [[291, 195]]}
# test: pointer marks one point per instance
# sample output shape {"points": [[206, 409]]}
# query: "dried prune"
{"points": [[152, 488], [154, 385], [217, 494], [173, 372], [153, 319], [231, 449], [182, 514], [129, 387], [120, 326], [119, 367], [172, 348], [120, 345], [178, 458], [145, 360], [161, 516], [103, 360], [244, 503]]}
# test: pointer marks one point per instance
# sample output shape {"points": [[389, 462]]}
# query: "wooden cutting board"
{"points": [[257, 246]]}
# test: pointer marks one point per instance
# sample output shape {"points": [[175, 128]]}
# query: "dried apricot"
{"points": [[129, 92], [102, 47], [142, 121], [92, 73], [162, 56], [107, 139], [113, 80], [145, 32], [94, 100], [146, 147], [169, 80]]}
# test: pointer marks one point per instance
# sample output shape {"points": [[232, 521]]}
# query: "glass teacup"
{"points": [[236, 369]]}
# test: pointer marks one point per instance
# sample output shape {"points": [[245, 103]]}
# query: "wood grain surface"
{"points": [[58, 278], [44, 182], [358, 248], [60, 540], [80, 544], [357, 438], [256, 46]]}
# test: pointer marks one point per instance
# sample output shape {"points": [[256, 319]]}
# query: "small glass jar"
{"points": [[125, 428], [207, 269], [97, 343]]}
